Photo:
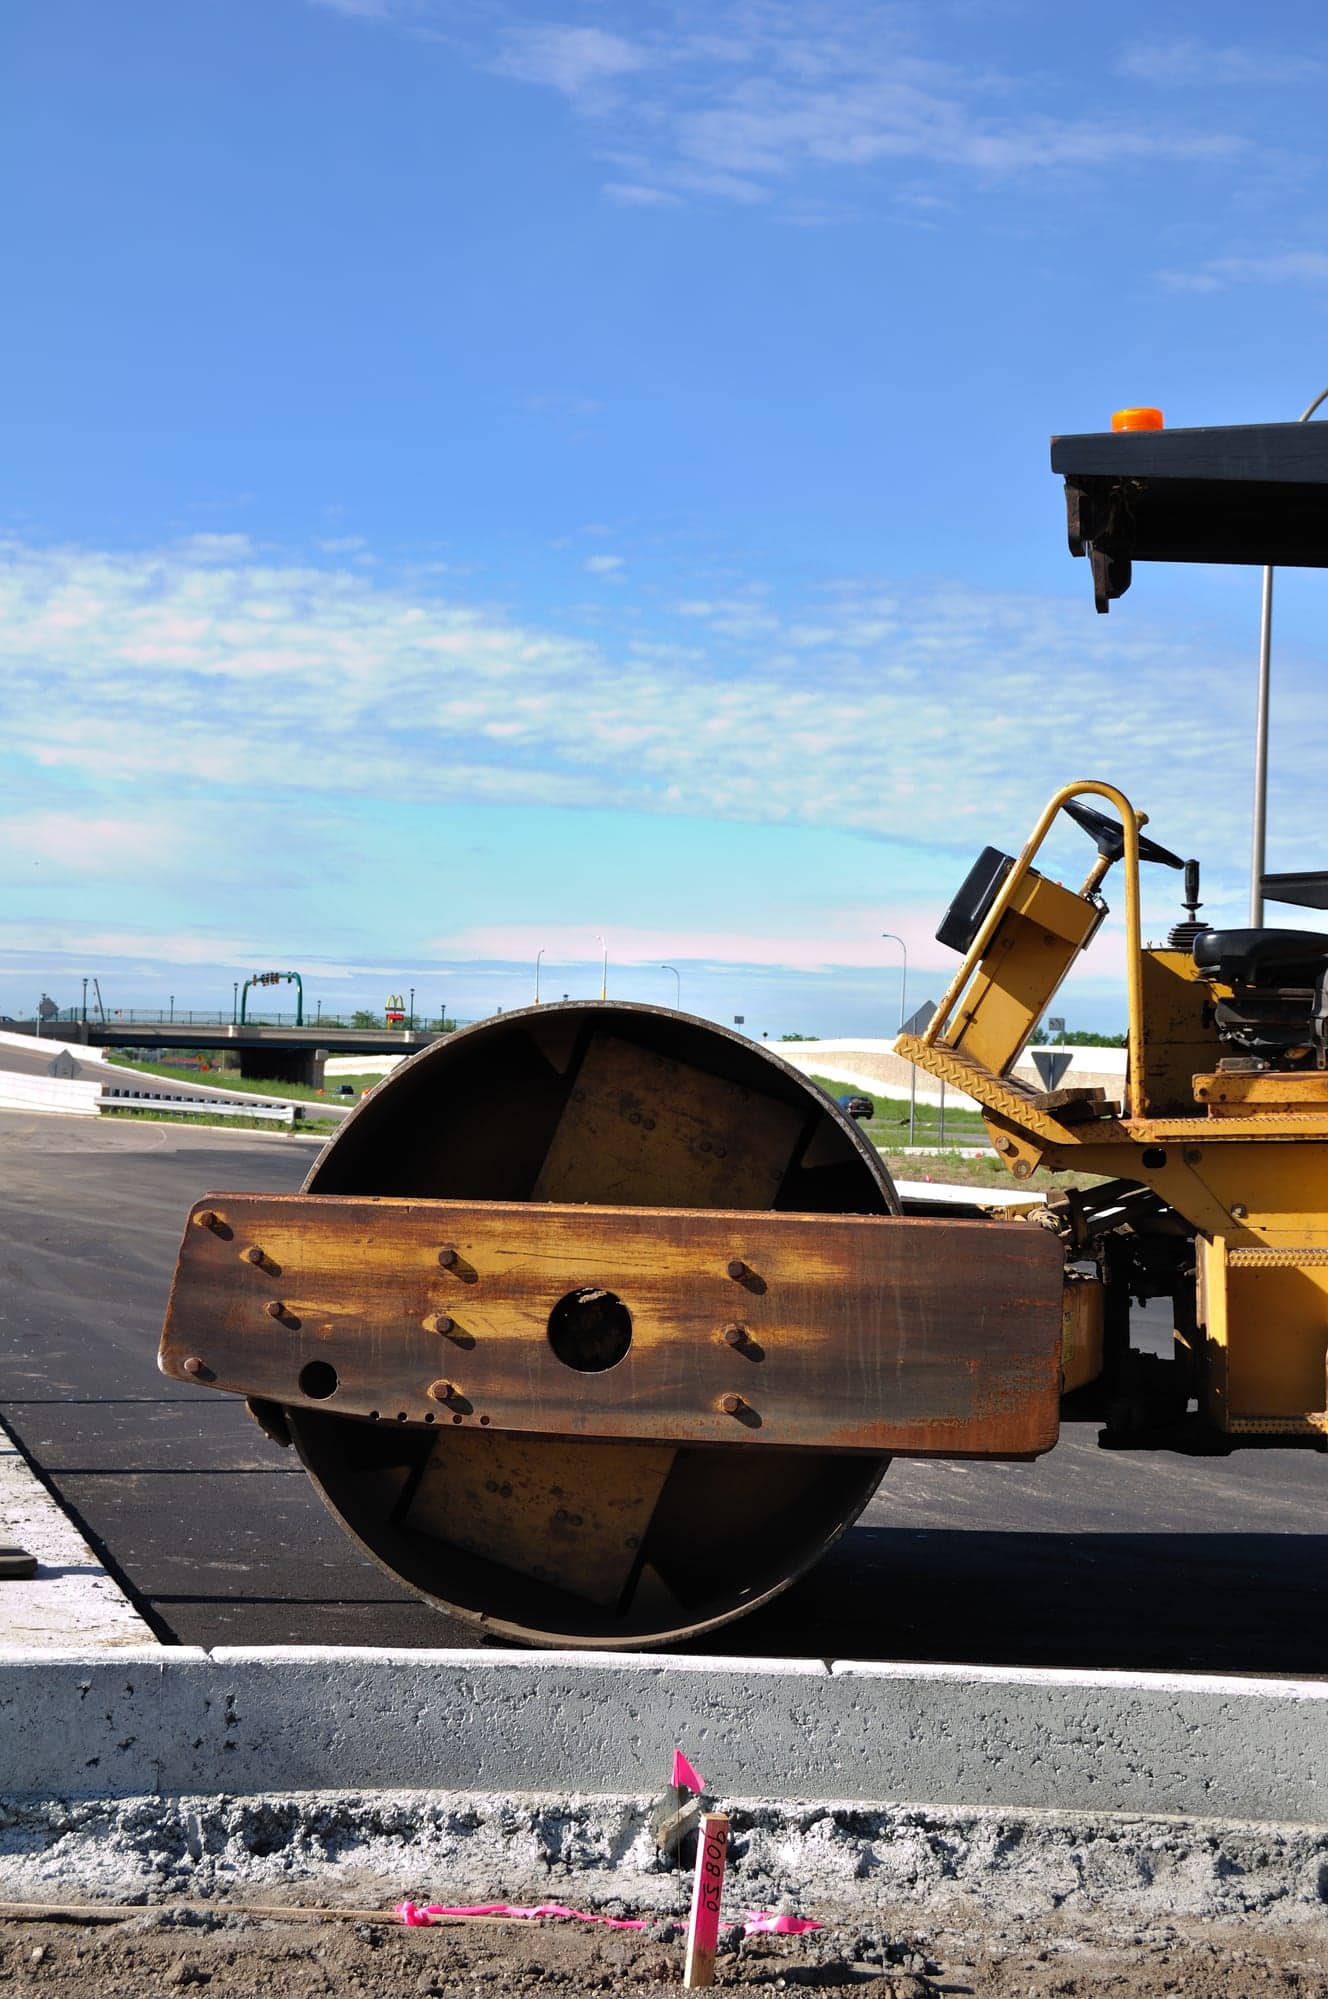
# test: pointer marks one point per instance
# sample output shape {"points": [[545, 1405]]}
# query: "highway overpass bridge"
{"points": [[272, 1054]]}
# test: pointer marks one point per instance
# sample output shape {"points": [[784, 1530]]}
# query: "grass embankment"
{"points": [[890, 1124], [962, 1128], [949, 1170]]}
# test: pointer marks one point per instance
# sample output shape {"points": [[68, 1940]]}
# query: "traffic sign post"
{"points": [[917, 1023], [1051, 1064]]}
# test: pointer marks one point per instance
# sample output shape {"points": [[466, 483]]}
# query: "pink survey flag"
{"points": [[685, 1775]]}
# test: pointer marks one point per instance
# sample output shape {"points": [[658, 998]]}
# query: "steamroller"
{"points": [[597, 1324]]}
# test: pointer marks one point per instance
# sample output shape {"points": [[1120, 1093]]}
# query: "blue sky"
{"points": [[483, 478]]}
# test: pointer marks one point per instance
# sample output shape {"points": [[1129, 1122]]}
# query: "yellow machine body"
{"points": [[1243, 1159], [1032, 948]]}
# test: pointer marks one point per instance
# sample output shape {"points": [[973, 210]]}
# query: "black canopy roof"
{"points": [[1255, 493]]}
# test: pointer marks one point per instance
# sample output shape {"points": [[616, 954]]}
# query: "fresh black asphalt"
{"points": [[1086, 1559]]}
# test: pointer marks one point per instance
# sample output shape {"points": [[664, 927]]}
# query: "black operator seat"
{"points": [[1262, 957], [1274, 1013]]}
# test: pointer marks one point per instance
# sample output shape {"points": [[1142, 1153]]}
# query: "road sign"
{"points": [[1051, 1064], [918, 1022]]}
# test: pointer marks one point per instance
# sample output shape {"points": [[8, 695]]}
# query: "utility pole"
{"points": [[1260, 828], [893, 937]]}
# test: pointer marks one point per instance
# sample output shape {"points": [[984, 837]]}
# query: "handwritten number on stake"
{"points": [[707, 1893]]}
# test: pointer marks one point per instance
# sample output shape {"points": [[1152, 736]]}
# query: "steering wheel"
{"points": [[1109, 836]]}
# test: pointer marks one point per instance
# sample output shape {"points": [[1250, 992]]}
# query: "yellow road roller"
{"points": [[597, 1324]]}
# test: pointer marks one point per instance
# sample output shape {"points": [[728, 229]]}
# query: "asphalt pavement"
{"points": [[1085, 1559]]}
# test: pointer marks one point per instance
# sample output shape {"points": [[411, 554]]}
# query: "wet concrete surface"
{"points": [[1086, 1559]]}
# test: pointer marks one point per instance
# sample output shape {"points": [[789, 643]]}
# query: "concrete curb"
{"points": [[165, 1721]]}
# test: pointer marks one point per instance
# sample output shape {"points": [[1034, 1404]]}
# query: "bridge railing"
{"points": [[74, 1016]]}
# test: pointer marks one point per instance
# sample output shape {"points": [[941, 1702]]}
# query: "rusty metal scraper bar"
{"points": [[833, 1332]]}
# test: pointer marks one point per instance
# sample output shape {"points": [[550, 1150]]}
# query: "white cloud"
{"points": [[914, 715], [733, 100], [603, 565], [361, 10], [1189, 64], [838, 939], [73, 843], [632, 194], [216, 547], [1279, 267], [562, 403], [569, 59]]}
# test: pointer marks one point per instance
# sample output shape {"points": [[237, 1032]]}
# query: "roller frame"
{"points": [[828, 1333]]}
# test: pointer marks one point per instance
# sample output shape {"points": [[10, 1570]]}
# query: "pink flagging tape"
{"points": [[686, 1774], [416, 1916], [756, 1922]]}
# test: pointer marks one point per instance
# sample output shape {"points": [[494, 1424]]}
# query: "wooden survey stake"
{"points": [[707, 1892]]}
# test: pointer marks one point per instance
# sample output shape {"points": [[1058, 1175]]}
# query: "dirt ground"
{"points": [[156, 1955]]}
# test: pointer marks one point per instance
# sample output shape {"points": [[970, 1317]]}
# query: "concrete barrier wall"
{"points": [[74, 1096], [50, 1045], [873, 1066], [362, 1065]]}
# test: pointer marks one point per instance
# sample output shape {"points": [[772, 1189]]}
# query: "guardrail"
{"points": [[114, 1097]]}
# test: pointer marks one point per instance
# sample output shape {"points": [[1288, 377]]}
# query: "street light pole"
{"points": [[538, 955], [677, 978], [1260, 828], [893, 937], [604, 977], [412, 1009]]}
